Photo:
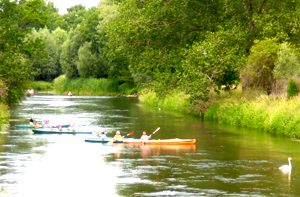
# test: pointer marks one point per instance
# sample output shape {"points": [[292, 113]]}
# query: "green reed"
{"points": [[4, 115], [176, 101], [88, 86], [275, 114], [40, 85]]}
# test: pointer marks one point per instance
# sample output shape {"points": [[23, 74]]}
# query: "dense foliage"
{"points": [[18, 54], [190, 46]]}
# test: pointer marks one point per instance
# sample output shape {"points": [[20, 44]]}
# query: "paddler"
{"points": [[36, 125], [145, 137], [103, 136], [118, 136], [31, 122]]}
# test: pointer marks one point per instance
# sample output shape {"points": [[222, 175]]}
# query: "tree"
{"points": [[56, 20], [287, 64], [60, 36], [69, 55], [49, 68], [16, 52], [117, 61], [213, 63], [90, 64], [293, 88], [75, 16], [153, 36], [258, 72]]}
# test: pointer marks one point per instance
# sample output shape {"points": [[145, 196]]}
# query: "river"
{"points": [[225, 161]]}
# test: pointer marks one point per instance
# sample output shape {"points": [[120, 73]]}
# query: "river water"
{"points": [[225, 161]]}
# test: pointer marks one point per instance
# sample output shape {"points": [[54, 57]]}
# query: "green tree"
{"points": [[117, 62], [75, 16], [89, 64], [293, 88], [56, 20], [213, 63], [152, 36], [69, 55], [60, 36], [49, 68], [16, 52], [287, 64], [259, 73]]}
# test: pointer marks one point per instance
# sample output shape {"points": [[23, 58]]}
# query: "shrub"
{"points": [[292, 88]]}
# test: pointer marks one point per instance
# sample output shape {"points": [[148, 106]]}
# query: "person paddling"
{"points": [[31, 122], [103, 136], [145, 137], [36, 125], [118, 136]]}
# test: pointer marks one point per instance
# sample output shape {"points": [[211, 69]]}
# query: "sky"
{"points": [[62, 5]]}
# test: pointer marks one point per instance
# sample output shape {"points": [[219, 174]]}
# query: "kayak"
{"points": [[28, 126], [99, 140], [56, 131], [175, 141]]}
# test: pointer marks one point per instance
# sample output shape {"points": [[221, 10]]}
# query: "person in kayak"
{"points": [[103, 136], [36, 125], [46, 123], [118, 136], [145, 137], [31, 122], [59, 127]]}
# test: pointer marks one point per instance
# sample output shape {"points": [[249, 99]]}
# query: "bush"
{"points": [[292, 88], [4, 115], [91, 86], [40, 85], [177, 101]]}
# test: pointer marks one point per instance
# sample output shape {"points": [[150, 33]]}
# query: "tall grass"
{"points": [[275, 114], [91, 86], [41, 85], [4, 115], [177, 101]]}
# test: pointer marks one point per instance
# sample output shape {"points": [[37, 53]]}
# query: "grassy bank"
{"points": [[91, 86], [177, 101], [41, 85], [4, 115], [275, 114]]}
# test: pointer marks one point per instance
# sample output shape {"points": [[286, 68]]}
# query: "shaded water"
{"points": [[225, 161]]}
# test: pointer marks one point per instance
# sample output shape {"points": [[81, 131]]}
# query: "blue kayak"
{"points": [[56, 131], [99, 140], [28, 126]]}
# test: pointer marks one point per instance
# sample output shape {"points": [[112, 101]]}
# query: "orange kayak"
{"points": [[175, 141]]}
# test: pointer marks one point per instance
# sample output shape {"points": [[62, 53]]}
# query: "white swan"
{"points": [[286, 168]]}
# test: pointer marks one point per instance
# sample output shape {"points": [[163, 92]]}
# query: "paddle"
{"points": [[158, 128], [112, 141]]}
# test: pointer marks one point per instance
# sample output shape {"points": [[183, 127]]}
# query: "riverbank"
{"points": [[4, 115], [91, 86], [267, 113], [274, 114]]}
